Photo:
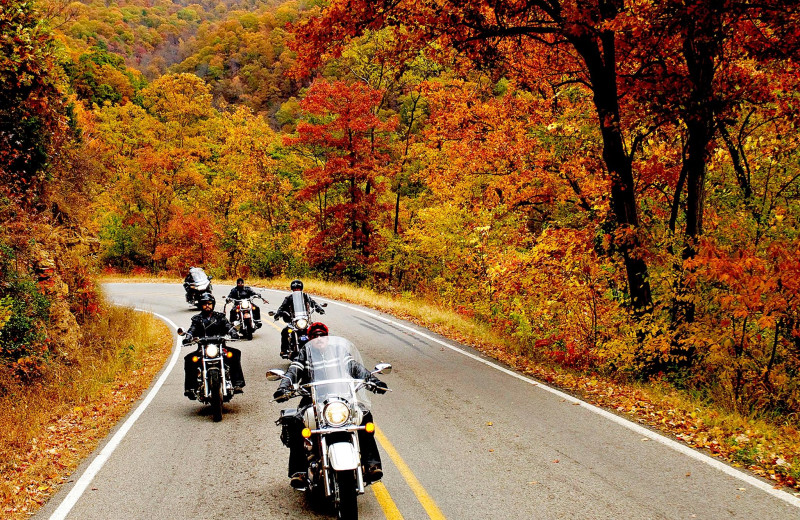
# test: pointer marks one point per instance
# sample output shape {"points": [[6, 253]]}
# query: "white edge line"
{"points": [[677, 446], [88, 475]]}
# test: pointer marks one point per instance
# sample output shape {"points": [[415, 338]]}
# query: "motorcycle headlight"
{"points": [[212, 350], [301, 323], [336, 413]]}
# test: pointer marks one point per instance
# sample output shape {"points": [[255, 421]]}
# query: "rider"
{"points": [[299, 372], [189, 280], [210, 323], [286, 311], [242, 292]]}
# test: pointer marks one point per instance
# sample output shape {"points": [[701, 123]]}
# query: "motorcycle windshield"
{"points": [[199, 276], [330, 359], [299, 305]]}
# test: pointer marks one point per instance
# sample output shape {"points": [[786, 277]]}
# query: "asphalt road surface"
{"points": [[460, 436]]}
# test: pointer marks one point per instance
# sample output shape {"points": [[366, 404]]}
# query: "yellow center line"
{"points": [[434, 513], [386, 502]]}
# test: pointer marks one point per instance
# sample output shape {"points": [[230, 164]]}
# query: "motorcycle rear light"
{"points": [[370, 427], [306, 433]]}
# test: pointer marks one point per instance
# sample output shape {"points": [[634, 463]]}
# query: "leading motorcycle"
{"points": [[214, 386], [335, 407]]}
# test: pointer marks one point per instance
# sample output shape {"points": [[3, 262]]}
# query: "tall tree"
{"points": [[578, 37], [350, 144], [32, 121]]}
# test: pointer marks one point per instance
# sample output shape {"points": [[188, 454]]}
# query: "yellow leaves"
{"points": [[5, 312]]}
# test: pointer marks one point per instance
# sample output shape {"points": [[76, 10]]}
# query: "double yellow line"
{"points": [[386, 502]]}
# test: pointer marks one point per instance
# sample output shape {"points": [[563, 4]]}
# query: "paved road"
{"points": [[460, 440]]}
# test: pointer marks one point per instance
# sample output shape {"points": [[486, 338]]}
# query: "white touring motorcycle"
{"points": [[199, 284], [332, 409]]}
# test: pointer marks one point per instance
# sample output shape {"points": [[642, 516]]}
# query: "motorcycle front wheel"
{"points": [[346, 495], [216, 396], [248, 331]]}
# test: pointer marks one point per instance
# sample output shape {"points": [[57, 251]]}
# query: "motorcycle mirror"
{"points": [[271, 313], [324, 305], [181, 332], [275, 374], [383, 368], [210, 277]]}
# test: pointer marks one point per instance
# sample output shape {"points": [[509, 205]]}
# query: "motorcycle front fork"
{"points": [[326, 467]]}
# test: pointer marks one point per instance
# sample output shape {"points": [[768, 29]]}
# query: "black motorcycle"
{"points": [[298, 324], [214, 385], [242, 315]]}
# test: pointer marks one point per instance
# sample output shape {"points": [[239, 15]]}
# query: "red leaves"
{"points": [[350, 144]]}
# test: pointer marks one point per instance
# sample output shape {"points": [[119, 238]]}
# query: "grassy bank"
{"points": [[47, 429]]}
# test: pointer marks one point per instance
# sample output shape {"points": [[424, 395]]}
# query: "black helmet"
{"points": [[317, 329], [296, 285], [207, 297]]}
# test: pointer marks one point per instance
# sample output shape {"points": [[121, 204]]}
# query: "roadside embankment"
{"points": [[46, 429]]}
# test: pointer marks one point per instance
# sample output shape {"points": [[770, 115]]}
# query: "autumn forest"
{"points": [[613, 184]]}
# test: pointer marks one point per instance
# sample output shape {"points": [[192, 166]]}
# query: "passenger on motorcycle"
{"points": [[299, 373], [241, 292], [210, 323], [286, 311]]}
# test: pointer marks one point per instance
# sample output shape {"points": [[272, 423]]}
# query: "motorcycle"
{"points": [[214, 386], [298, 324], [338, 404], [242, 314], [200, 283]]}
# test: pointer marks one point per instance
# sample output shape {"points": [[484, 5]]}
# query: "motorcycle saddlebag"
{"points": [[285, 420]]}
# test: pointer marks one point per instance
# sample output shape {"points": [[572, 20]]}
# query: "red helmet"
{"points": [[317, 329]]}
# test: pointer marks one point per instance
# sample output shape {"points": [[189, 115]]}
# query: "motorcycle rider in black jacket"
{"points": [[210, 323], [241, 292], [298, 372], [286, 311]]}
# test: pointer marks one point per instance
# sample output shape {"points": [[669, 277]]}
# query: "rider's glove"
{"points": [[281, 395], [321, 310], [187, 339], [379, 387]]}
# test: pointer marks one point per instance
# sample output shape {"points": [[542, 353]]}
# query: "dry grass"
{"points": [[46, 430]]}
